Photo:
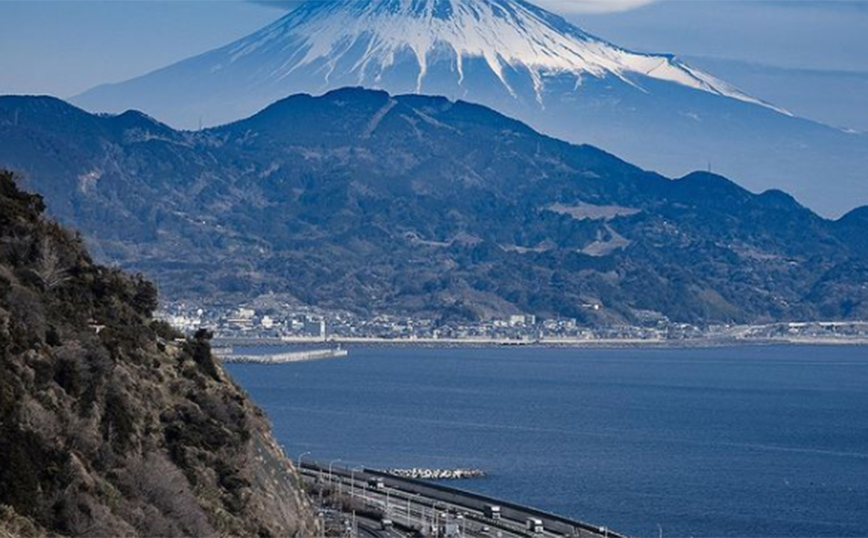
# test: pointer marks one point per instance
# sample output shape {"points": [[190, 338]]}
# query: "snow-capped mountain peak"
{"points": [[364, 39], [518, 59]]}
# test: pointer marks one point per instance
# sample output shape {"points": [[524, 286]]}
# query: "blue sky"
{"points": [[807, 55]]}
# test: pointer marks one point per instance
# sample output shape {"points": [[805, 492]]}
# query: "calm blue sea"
{"points": [[738, 442]]}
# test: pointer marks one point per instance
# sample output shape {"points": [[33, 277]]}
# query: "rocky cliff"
{"points": [[111, 423]]}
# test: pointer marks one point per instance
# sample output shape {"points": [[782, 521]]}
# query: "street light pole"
{"points": [[418, 497], [330, 470], [303, 454], [353, 482], [300, 480]]}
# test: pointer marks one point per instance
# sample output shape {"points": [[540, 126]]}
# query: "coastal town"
{"points": [[302, 324]]}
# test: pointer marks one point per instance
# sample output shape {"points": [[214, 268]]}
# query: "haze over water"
{"points": [[746, 442]]}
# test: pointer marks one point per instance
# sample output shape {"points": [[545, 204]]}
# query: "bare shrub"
{"points": [[162, 485], [51, 269], [80, 514], [16, 248], [28, 313], [33, 416]]}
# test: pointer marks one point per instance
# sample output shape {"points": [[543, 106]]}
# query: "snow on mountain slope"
{"points": [[527, 63], [504, 33], [447, 47]]}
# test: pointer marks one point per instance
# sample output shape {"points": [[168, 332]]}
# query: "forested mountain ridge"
{"points": [[419, 205]]}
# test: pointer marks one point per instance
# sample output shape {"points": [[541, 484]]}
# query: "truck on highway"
{"points": [[535, 525], [450, 529], [386, 524], [492, 511]]}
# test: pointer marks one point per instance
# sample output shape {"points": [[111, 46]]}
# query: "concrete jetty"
{"points": [[281, 358]]}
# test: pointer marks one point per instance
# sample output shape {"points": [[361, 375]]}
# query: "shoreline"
{"points": [[609, 343]]}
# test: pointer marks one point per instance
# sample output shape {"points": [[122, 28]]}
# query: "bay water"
{"points": [[747, 441]]}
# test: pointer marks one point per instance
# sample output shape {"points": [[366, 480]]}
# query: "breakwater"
{"points": [[436, 474], [280, 358]]}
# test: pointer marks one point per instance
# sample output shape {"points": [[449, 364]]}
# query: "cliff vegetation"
{"points": [[111, 423]]}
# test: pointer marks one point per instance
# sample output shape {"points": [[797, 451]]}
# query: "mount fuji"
{"points": [[521, 60]]}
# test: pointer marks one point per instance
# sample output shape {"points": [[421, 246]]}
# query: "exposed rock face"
{"points": [[110, 423]]}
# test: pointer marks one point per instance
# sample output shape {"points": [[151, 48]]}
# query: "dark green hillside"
{"points": [[110, 424], [410, 204]]}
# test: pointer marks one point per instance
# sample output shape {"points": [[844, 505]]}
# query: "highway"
{"points": [[371, 503]]}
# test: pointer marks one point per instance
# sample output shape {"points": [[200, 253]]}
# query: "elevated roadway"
{"points": [[415, 507]]}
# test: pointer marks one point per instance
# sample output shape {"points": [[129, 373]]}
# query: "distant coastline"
{"points": [[549, 342]]}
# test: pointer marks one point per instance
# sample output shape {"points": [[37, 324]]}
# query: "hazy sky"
{"points": [[63, 47]]}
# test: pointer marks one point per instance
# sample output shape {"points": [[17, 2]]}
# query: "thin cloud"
{"points": [[591, 6], [558, 6]]}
